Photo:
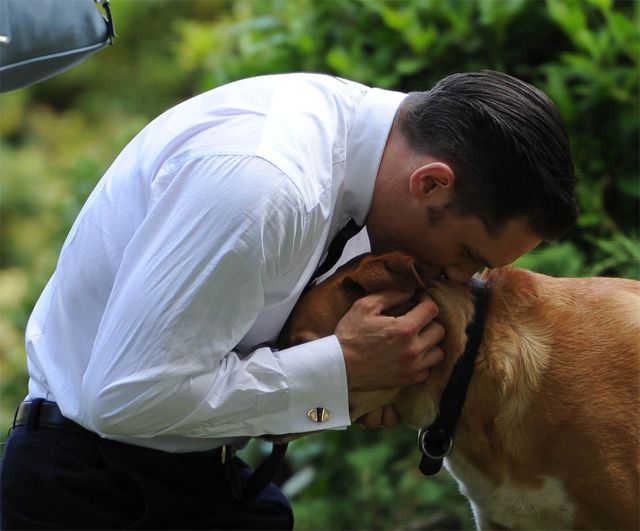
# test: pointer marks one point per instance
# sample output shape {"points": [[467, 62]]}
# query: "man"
{"points": [[152, 342]]}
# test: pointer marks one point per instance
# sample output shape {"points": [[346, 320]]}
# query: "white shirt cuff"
{"points": [[318, 399]]}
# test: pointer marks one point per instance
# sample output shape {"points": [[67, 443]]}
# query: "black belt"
{"points": [[42, 413], [46, 414]]}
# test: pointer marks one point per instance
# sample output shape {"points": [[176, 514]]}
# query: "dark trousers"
{"points": [[64, 479]]}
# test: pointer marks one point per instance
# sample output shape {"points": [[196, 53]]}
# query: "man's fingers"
{"points": [[382, 351], [433, 357], [383, 300], [373, 419], [390, 416], [432, 333], [385, 416], [423, 312]]}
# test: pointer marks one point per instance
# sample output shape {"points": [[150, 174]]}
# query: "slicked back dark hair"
{"points": [[506, 144]]}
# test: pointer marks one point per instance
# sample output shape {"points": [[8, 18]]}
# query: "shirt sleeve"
{"points": [[189, 287]]}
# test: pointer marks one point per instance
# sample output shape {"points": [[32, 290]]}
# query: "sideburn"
{"points": [[437, 213]]}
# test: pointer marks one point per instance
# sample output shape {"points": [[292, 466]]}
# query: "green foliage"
{"points": [[58, 137], [584, 54], [365, 479]]}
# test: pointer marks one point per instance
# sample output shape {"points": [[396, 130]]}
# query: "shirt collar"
{"points": [[366, 140]]}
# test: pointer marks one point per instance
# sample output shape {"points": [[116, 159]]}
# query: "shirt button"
{"points": [[319, 414]]}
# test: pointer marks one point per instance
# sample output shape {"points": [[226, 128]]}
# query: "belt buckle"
{"points": [[226, 452]]}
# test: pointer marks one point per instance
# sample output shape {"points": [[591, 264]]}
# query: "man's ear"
{"points": [[388, 271], [431, 180]]}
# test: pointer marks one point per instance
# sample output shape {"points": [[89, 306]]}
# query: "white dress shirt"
{"points": [[189, 255]]}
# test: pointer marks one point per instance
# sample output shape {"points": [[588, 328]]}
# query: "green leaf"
{"points": [[629, 184], [339, 60], [398, 19], [568, 14], [420, 39], [603, 5], [499, 12], [620, 253], [557, 259], [409, 66]]}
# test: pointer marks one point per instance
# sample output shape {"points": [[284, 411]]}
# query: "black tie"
{"points": [[336, 247]]}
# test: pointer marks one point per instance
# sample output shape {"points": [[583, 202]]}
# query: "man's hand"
{"points": [[382, 351], [384, 417]]}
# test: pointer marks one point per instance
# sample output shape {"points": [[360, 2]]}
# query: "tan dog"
{"points": [[549, 435]]}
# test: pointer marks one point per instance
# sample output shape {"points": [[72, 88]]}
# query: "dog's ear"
{"points": [[286, 339], [390, 271], [302, 337], [352, 286]]}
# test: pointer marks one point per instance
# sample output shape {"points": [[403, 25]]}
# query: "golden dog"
{"points": [[549, 433]]}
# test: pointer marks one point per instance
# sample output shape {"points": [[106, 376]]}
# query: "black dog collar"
{"points": [[436, 441]]}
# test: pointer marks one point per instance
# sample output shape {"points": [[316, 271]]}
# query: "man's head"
{"points": [[482, 159], [506, 144]]}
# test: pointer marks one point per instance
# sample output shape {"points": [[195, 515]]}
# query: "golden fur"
{"points": [[556, 388]]}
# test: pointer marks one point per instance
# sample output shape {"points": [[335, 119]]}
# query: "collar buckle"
{"points": [[435, 443]]}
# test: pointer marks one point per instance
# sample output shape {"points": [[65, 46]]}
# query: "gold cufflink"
{"points": [[319, 414]]}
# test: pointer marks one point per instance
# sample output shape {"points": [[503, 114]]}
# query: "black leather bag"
{"points": [[41, 38]]}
